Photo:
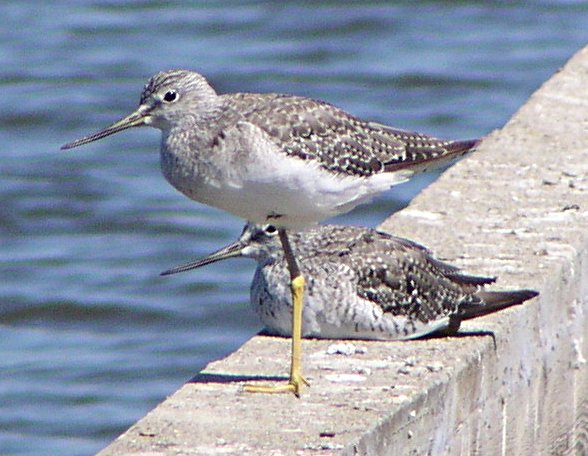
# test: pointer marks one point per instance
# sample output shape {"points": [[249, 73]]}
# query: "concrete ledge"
{"points": [[518, 209]]}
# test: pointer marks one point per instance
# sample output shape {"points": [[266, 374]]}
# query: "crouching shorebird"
{"points": [[280, 159], [361, 284]]}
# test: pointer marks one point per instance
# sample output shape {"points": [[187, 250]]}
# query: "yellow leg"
{"points": [[296, 379]]}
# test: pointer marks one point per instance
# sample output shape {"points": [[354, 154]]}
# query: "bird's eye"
{"points": [[170, 96], [270, 229]]}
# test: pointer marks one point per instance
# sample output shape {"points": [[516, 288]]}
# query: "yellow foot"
{"points": [[294, 385]]}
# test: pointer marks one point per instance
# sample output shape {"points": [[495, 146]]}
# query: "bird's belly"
{"points": [[290, 194], [334, 324]]}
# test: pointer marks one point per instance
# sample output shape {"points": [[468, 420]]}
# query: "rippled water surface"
{"points": [[91, 337]]}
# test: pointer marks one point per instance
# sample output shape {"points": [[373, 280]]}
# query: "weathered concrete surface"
{"points": [[518, 208]]}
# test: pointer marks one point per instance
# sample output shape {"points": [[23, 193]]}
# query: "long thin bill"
{"points": [[230, 251], [136, 119]]}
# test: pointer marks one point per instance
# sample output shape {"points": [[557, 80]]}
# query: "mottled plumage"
{"points": [[339, 142], [361, 284]]}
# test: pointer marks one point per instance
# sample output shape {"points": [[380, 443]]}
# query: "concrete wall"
{"points": [[517, 208]]}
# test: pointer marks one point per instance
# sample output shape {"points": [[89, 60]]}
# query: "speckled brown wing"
{"points": [[402, 278], [314, 130]]}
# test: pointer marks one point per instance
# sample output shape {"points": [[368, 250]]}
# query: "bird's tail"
{"points": [[492, 301], [462, 147], [423, 160]]}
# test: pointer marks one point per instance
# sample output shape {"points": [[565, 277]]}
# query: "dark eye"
{"points": [[270, 229], [170, 96]]}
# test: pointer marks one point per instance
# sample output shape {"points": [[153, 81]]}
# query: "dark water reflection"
{"points": [[90, 336]]}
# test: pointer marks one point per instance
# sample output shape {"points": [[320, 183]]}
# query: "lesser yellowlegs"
{"points": [[275, 158], [361, 284]]}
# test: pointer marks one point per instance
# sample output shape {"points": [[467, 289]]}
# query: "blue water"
{"points": [[91, 337]]}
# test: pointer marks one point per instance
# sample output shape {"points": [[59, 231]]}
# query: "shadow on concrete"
{"points": [[444, 334], [215, 377]]}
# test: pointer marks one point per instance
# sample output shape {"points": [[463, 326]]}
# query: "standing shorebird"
{"points": [[361, 284], [280, 159]]}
